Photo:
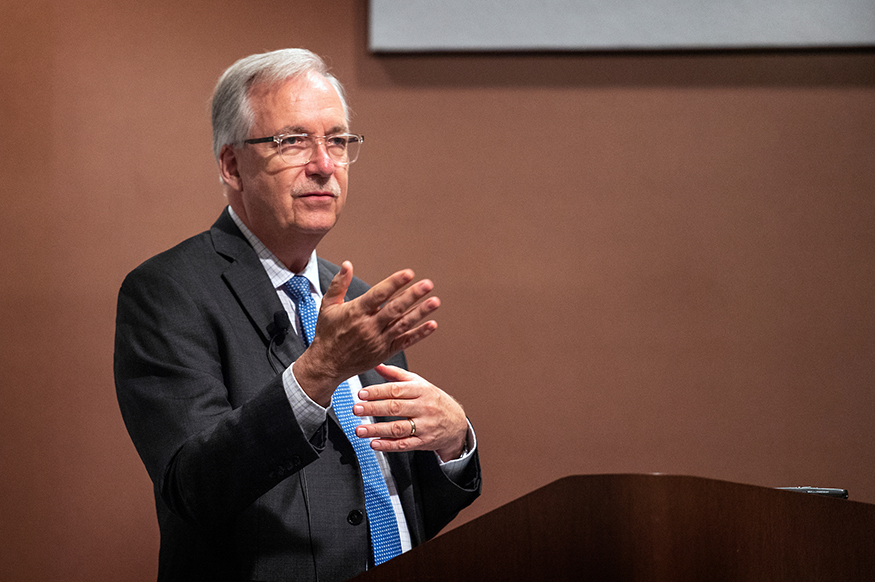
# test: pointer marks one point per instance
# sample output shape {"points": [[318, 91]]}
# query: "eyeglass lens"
{"points": [[300, 149]]}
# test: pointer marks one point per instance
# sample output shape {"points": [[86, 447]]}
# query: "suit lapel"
{"points": [[251, 286]]}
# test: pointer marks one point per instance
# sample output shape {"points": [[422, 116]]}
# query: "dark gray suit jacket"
{"points": [[241, 492]]}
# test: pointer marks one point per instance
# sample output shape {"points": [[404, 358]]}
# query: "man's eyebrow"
{"points": [[291, 129], [300, 129]]}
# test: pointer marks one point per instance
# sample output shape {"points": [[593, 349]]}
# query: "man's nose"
{"points": [[320, 162]]}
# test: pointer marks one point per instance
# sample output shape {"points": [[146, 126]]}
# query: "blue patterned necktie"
{"points": [[381, 517]]}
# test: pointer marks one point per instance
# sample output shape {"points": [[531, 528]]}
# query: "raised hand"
{"points": [[354, 336]]}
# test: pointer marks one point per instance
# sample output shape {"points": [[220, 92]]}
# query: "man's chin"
{"points": [[317, 225]]}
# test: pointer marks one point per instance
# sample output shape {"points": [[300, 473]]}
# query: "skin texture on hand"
{"points": [[441, 424]]}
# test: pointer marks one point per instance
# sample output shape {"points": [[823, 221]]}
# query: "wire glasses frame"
{"points": [[297, 149]]}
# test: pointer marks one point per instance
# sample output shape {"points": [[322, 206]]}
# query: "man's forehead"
{"points": [[297, 102], [293, 105]]}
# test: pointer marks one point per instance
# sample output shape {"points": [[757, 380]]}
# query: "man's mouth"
{"points": [[316, 195]]}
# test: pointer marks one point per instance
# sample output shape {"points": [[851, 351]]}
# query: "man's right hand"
{"points": [[354, 336]]}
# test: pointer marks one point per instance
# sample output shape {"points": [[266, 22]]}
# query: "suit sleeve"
{"points": [[442, 498], [209, 460]]}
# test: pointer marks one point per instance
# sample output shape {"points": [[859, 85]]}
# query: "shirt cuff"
{"points": [[453, 469], [309, 414]]}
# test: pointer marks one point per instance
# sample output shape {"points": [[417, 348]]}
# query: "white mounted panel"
{"points": [[550, 25]]}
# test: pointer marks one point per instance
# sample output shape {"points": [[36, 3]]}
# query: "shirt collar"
{"points": [[276, 270]]}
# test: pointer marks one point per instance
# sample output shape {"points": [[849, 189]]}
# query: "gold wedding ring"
{"points": [[412, 427]]}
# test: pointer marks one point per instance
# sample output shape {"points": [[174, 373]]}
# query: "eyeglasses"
{"points": [[297, 149]]}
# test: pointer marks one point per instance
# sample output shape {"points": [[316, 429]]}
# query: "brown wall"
{"points": [[648, 263]]}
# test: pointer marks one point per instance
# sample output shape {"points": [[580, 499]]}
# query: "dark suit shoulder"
{"points": [[187, 258], [200, 261]]}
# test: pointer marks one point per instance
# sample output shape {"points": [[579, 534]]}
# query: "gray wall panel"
{"points": [[510, 25]]}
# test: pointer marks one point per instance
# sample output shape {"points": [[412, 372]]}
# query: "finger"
{"points": [[410, 319], [387, 407], [401, 384], [397, 445], [406, 306], [393, 374], [390, 391], [339, 285], [395, 429], [414, 336], [385, 290]]}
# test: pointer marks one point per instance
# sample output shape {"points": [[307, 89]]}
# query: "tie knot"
{"points": [[298, 287]]}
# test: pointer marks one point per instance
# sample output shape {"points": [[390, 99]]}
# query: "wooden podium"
{"points": [[651, 528]]}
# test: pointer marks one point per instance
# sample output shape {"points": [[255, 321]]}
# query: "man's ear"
{"points": [[228, 168]]}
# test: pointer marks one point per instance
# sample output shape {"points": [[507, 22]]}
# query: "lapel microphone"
{"points": [[277, 329]]}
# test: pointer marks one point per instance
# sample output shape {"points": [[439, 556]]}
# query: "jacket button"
{"points": [[355, 517]]}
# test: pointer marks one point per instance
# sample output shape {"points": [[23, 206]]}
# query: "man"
{"points": [[244, 410]]}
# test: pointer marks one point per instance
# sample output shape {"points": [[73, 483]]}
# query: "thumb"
{"points": [[394, 373], [339, 285]]}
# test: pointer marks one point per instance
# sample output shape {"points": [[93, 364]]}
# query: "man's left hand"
{"points": [[440, 421]]}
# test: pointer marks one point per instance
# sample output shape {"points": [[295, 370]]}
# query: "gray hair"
{"points": [[231, 112]]}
